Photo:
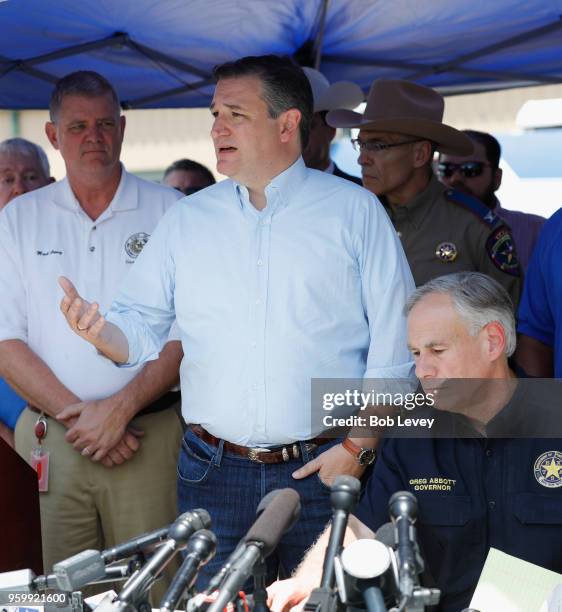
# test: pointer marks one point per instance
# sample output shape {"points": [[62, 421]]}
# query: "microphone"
{"points": [[77, 571], [216, 580], [90, 565], [25, 581], [260, 541], [344, 495], [368, 563], [72, 574], [201, 548], [178, 536], [142, 542], [385, 534], [403, 510]]}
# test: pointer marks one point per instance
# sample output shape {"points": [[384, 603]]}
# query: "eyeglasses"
{"points": [[374, 146], [470, 169]]}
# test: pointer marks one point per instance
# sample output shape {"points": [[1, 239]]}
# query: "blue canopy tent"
{"points": [[160, 53]]}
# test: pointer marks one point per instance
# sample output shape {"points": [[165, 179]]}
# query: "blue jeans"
{"points": [[230, 488]]}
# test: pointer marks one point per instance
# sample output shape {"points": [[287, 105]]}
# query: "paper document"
{"points": [[512, 585]]}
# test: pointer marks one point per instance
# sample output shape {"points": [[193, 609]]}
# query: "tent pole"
{"points": [[320, 36]]}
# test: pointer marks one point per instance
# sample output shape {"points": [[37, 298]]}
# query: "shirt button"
{"points": [[489, 452], [95, 227], [258, 302], [92, 249], [492, 504], [254, 344], [260, 262]]}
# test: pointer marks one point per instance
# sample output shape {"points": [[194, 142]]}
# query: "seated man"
{"points": [[500, 492]]}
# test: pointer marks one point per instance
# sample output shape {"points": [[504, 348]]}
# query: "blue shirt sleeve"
{"points": [[11, 405], [144, 309], [386, 284], [536, 317]]}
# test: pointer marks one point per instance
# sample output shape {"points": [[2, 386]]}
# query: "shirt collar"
{"points": [[125, 198], [416, 209], [330, 169], [281, 189]]}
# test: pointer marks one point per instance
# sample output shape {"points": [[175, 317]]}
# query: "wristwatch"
{"points": [[364, 456]]}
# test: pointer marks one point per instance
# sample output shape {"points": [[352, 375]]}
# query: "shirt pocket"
{"points": [[537, 529], [444, 510], [448, 539], [535, 509]]}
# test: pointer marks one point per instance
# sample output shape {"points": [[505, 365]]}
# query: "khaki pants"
{"points": [[90, 506]]}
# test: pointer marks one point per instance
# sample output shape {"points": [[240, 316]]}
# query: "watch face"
{"points": [[367, 456]]}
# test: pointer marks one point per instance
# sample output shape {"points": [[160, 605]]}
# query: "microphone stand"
{"points": [[260, 592]]}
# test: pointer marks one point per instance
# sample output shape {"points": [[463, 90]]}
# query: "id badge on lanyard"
{"points": [[39, 456]]}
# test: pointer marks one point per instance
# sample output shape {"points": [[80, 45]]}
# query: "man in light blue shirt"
{"points": [[277, 276]]}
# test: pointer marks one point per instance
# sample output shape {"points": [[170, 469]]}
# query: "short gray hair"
{"points": [[478, 299], [86, 83], [26, 148]]}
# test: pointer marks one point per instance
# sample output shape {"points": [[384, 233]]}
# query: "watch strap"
{"points": [[351, 447]]}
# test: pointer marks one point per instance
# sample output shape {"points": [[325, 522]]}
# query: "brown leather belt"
{"points": [[163, 403], [278, 454]]}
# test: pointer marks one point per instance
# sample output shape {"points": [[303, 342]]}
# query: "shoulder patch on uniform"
{"points": [[473, 205], [501, 249]]}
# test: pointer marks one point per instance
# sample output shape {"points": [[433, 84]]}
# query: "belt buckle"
{"points": [[254, 452]]}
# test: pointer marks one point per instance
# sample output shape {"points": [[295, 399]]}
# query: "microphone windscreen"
{"points": [[386, 535], [201, 519], [344, 493], [347, 482], [188, 523], [281, 513], [365, 559], [266, 500], [403, 503]]}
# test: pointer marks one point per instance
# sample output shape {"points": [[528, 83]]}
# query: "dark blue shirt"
{"points": [[473, 493], [540, 310]]}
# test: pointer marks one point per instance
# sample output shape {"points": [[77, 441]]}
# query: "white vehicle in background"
{"points": [[532, 159]]}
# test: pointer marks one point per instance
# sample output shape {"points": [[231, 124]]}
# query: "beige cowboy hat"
{"points": [[343, 94], [402, 107]]}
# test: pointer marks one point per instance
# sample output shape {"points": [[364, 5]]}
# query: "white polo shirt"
{"points": [[45, 234]]}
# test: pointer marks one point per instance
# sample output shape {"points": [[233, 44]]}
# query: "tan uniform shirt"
{"points": [[443, 231]]}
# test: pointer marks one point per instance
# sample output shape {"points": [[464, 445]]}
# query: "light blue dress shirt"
{"points": [[312, 286]]}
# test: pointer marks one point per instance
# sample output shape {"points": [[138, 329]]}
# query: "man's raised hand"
{"points": [[82, 316], [86, 321]]}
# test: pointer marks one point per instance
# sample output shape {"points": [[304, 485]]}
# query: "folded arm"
{"points": [[35, 382], [101, 423]]}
